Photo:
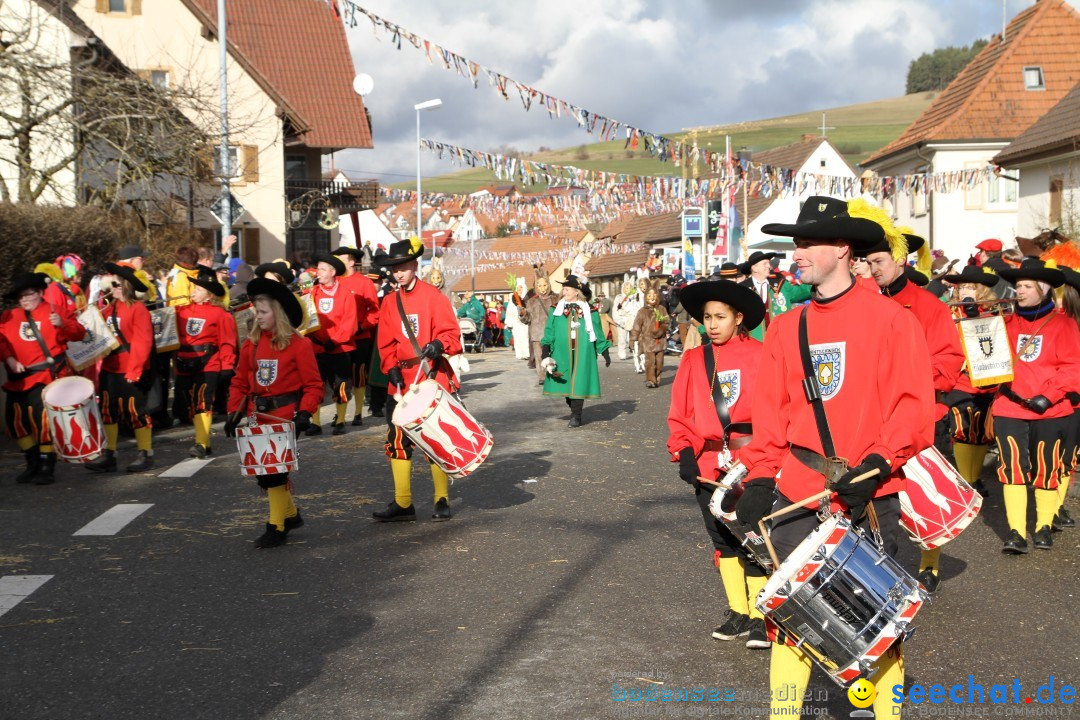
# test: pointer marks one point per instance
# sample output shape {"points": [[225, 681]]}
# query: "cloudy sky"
{"points": [[656, 64]]}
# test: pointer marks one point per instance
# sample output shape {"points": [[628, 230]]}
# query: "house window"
{"points": [[234, 164], [822, 162], [118, 6], [159, 79], [1057, 185], [1001, 190], [295, 167], [1033, 78]]}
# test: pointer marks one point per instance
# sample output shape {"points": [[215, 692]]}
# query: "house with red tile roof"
{"points": [[1013, 82], [291, 103]]}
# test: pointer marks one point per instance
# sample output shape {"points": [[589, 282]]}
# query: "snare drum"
{"points": [[722, 506], [268, 449], [842, 599], [936, 503], [439, 424], [74, 419]]}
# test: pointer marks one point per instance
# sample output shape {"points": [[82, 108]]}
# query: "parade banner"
{"points": [[166, 336], [671, 260], [311, 318], [99, 340], [245, 321], [986, 347]]}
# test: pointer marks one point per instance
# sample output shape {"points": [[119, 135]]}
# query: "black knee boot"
{"points": [[576, 406], [48, 470], [33, 465]]}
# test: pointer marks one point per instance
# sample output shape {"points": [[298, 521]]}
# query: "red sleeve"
{"points": [[141, 341], [943, 342], [240, 386], [227, 340], [905, 394], [311, 383], [6, 350], [389, 335], [367, 304], [1067, 362], [682, 432], [769, 409], [444, 323], [71, 329]]}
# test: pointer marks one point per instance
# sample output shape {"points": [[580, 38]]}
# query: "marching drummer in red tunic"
{"points": [[33, 340], [709, 423], [207, 350], [367, 317], [871, 370], [334, 340], [277, 375], [434, 335]]}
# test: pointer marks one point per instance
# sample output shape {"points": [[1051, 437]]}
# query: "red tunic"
{"points": [[1050, 367], [337, 319], [692, 418], [367, 303], [60, 301], [138, 329], [942, 339], [432, 318], [207, 324], [874, 369], [17, 340], [292, 370]]}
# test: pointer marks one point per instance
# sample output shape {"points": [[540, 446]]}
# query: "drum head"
{"points": [[68, 392], [415, 402]]}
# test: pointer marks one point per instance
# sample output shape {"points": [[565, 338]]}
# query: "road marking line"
{"points": [[16, 588], [186, 468], [113, 520]]}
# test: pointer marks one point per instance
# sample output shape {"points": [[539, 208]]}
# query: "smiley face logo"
{"points": [[862, 692]]}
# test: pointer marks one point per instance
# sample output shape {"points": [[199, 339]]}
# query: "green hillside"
{"points": [[858, 130]]}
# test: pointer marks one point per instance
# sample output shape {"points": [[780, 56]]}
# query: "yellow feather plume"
{"points": [[51, 270], [151, 288], [415, 245], [924, 260], [897, 243]]}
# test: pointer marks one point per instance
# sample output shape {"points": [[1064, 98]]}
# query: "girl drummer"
{"points": [[969, 406], [207, 349], [704, 438], [126, 378], [1032, 415], [277, 377], [572, 340]]}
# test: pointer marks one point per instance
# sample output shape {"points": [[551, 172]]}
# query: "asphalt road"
{"points": [[575, 563]]}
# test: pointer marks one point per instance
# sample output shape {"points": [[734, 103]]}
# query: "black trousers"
{"points": [[123, 403], [199, 391], [724, 542], [336, 371], [1030, 451], [25, 415]]}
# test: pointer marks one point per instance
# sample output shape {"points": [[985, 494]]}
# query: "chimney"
{"points": [[810, 137]]}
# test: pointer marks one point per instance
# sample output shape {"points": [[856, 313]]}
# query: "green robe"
{"points": [[580, 373], [779, 303]]}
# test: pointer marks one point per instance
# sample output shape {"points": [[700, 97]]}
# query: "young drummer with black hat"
{"points": [[33, 340], [334, 340], [367, 317], [207, 349], [276, 376], [126, 377], [867, 406], [417, 331], [1032, 415], [709, 424], [887, 266]]}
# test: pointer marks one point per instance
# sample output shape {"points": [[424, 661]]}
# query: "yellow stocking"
{"points": [[789, 674], [315, 417], [930, 560], [112, 432], [441, 481], [754, 586], [1046, 507], [969, 460], [358, 400], [1063, 489], [28, 441], [143, 439], [202, 428], [1016, 499], [402, 470], [733, 576], [890, 673], [47, 448], [279, 504], [290, 510], [339, 415]]}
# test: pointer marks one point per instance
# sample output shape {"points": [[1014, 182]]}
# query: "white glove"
{"points": [[548, 365]]}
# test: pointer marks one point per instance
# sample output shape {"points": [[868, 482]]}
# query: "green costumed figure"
{"points": [[572, 340]]}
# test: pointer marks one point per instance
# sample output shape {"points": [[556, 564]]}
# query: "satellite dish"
{"points": [[362, 84]]}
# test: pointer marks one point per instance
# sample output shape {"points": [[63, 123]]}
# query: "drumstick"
{"points": [[711, 483]]}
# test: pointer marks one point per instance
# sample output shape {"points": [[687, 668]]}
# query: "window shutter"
{"points": [[102, 6], [144, 75], [251, 163], [250, 250], [135, 6], [204, 163]]}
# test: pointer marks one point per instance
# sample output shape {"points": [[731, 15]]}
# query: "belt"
{"points": [[266, 403], [830, 468], [198, 348], [718, 445], [411, 362], [37, 367]]}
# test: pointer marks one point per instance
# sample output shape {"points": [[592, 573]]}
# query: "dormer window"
{"points": [[1033, 78]]}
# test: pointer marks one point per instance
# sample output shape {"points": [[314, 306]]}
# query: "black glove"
{"points": [[231, 423], [302, 420], [545, 352], [1038, 404], [396, 378], [607, 358], [756, 501], [433, 350], [856, 494], [688, 469]]}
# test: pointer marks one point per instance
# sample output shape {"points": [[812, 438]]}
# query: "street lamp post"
{"points": [[426, 105]]}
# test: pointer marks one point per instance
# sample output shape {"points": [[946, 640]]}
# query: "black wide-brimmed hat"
{"points": [[915, 276], [914, 242], [727, 270], [128, 273], [755, 257], [354, 253], [575, 282], [1072, 278], [1034, 269], [284, 297], [209, 281], [277, 268], [826, 218], [129, 252], [27, 281], [743, 299], [400, 252], [973, 274], [331, 260]]}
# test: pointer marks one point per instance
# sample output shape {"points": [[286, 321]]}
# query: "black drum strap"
{"points": [[813, 390]]}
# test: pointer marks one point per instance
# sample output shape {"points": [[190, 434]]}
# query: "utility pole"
{"points": [[226, 166]]}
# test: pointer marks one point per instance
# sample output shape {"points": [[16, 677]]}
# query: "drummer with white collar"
{"points": [[871, 369], [403, 355]]}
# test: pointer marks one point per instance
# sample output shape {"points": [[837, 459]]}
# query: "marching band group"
{"points": [[803, 411]]}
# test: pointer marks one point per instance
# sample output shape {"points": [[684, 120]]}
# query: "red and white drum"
{"points": [[74, 419], [267, 449], [936, 503], [439, 424]]}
